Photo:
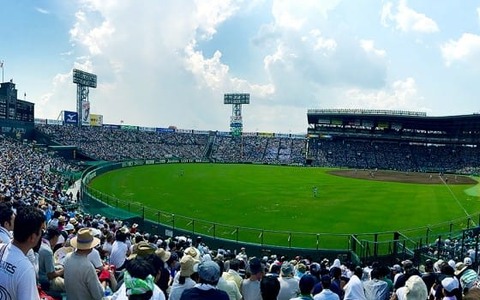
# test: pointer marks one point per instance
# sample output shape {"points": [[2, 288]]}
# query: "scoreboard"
{"points": [[236, 99]]}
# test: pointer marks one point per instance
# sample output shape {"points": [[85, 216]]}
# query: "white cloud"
{"points": [[465, 49], [209, 71], [93, 38], [407, 19], [369, 47], [213, 13], [322, 44], [289, 14], [400, 95], [42, 10]]}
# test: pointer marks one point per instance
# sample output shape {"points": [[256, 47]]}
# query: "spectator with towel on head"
{"points": [[354, 288], [139, 282]]}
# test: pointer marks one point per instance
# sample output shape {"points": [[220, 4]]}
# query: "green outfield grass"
{"points": [[281, 198]]}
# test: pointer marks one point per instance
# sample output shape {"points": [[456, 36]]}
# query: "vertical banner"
{"points": [[86, 113], [70, 117]]}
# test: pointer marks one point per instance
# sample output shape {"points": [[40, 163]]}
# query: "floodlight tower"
{"points": [[83, 80], [236, 100]]}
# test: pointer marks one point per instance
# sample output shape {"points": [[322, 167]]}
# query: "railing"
{"points": [[428, 241]]}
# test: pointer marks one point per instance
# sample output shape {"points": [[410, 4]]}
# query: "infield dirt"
{"points": [[405, 177]]}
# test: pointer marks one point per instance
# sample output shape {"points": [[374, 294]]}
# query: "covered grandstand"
{"points": [[393, 140]]}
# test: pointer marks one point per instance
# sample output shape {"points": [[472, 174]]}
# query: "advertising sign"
{"points": [[96, 120], [85, 113], [70, 117]]}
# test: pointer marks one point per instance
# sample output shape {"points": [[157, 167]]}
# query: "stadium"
{"points": [[433, 160], [413, 145]]}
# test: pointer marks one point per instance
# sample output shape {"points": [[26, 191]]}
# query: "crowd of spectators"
{"points": [[103, 143], [404, 156]]}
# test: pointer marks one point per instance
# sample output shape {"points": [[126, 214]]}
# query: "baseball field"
{"points": [[294, 199]]}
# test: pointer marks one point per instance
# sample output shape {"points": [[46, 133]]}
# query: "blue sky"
{"points": [[162, 63]]}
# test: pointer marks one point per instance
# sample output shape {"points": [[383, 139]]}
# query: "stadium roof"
{"points": [[400, 120]]}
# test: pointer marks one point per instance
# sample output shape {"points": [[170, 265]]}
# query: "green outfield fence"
{"points": [[392, 246]]}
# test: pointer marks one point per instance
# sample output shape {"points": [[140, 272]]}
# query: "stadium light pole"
{"points": [[83, 80], [236, 121]]}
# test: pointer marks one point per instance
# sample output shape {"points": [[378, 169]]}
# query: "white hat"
{"points": [[450, 283], [68, 227], [416, 288], [452, 263], [467, 261]]}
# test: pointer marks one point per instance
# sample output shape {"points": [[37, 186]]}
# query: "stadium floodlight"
{"points": [[236, 100], [83, 80]]}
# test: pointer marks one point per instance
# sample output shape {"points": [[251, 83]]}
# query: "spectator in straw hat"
{"points": [[468, 277], [473, 294], [81, 280], [142, 249], [186, 278], [164, 280]]}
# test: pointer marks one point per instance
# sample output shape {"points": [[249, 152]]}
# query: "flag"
{"points": [[1, 64]]}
